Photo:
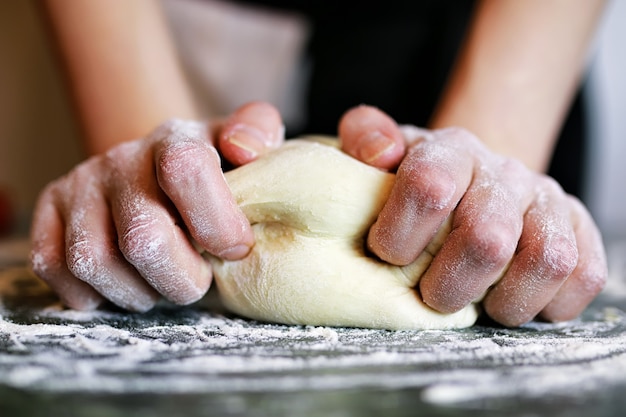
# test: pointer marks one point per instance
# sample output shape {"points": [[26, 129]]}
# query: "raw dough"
{"points": [[310, 206]]}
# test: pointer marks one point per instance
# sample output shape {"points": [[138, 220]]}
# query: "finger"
{"points": [[148, 234], [251, 131], [486, 228], [590, 275], [92, 252], [48, 256], [189, 172], [546, 256], [413, 134], [371, 136], [429, 183]]}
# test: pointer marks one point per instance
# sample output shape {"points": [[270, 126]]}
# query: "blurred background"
{"points": [[39, 138]]}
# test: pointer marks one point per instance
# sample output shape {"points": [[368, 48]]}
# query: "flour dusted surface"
{"points": [[197, 349]]}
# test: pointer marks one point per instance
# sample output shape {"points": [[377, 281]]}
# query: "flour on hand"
{"points": [[311, 206]]}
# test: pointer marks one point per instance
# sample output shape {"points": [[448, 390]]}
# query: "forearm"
{"points": [[121, 67], [517, 73]]}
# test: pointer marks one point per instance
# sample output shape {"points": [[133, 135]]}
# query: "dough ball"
{"points": [[311, 206]]}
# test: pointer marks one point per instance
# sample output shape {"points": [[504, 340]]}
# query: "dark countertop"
{"points": [[198, 360]]}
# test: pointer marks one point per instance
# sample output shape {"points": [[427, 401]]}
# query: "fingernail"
{"points": [[249, 139], [373, 145], [235, 253]]}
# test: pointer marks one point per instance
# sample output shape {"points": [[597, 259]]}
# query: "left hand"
{"points": [[517, 238], [126, 225]]}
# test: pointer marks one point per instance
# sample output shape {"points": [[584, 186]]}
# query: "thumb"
{"points": [[371, 136], [252, 130]]}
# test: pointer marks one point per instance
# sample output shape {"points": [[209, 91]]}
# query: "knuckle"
{"points": [[429, 186], [118, 158], [594, 280], [50, 190], [513, 167], [64, 188], [490, 244], [83, 259], [140, 240], [459, 134], [550, 186], [181, 160], [169, 126], [176, 129], [578, 207], [559, 258], [85, 169], [45, 263]]}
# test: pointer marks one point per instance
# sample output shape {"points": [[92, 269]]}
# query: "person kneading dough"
{"points": [[311, 206]]}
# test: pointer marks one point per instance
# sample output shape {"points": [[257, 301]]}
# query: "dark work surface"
{"points": [[197, 360]]}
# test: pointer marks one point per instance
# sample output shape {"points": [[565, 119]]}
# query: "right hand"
{"points": [[518, 241], [120, 225]]}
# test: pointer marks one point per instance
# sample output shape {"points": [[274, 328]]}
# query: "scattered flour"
{"points": [[197, 350]]}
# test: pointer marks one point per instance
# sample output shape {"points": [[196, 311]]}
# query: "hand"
{"points": [[120, 225], [517, 239]]}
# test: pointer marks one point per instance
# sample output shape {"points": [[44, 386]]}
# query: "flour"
{"points": [[197, 350]]}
